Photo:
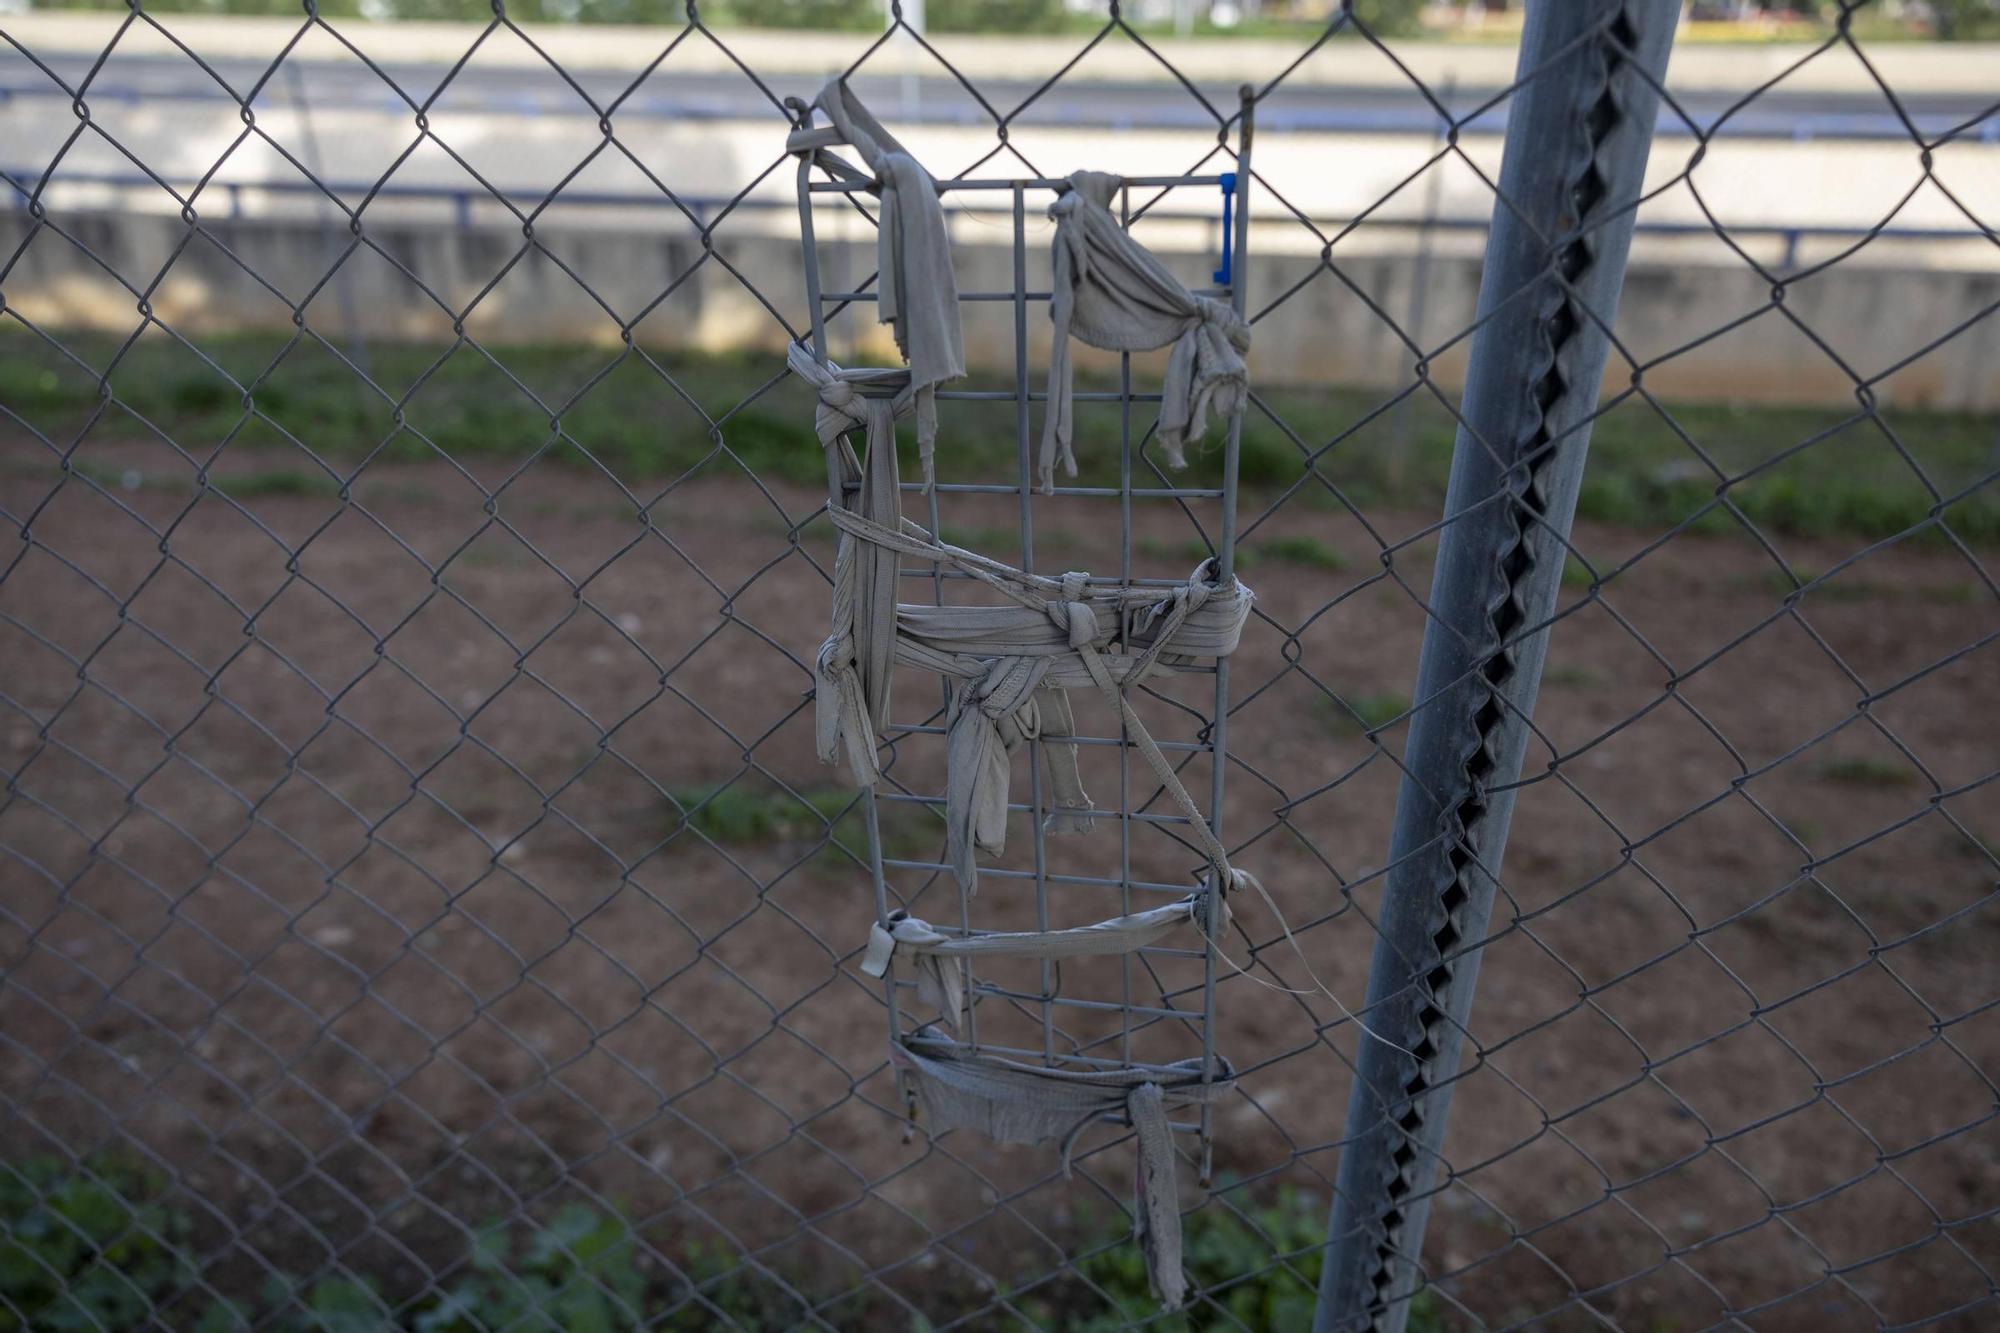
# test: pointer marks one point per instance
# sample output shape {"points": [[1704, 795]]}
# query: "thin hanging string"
{"points": [[1000, 221], [1292, 940]]}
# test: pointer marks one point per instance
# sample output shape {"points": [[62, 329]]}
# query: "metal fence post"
{"points": [[1578, 133]]}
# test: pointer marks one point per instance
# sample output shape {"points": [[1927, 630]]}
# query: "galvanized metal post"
{"points": [[1578, 132]]}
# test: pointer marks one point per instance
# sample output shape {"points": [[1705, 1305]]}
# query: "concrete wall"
{"points": [[1870, 317]]}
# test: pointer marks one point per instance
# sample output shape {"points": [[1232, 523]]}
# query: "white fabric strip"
{"points": [[852, 672], [1019, 1103], [1114, 293], [935, 957], [917, 296]]}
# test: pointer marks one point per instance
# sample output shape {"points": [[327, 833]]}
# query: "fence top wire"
{"points": [[424, 909]]}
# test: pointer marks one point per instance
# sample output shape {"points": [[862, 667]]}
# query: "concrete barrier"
{"points": [[480, 278]]}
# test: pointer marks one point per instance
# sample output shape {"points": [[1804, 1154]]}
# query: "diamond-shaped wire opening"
{"points": [[444, 912]]}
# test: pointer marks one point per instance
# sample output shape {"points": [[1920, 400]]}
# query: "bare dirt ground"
{"points": [[344, 876]]}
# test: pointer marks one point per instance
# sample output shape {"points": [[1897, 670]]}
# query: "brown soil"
{"points": [[343, 876]]}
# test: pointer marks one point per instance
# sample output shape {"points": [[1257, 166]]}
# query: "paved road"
{"points": [[709, 95]]}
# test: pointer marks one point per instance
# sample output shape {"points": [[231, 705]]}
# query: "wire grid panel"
{"points": [[1130, 1022], [408, 830]]}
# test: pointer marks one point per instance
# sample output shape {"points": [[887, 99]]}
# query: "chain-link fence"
{"points": [[423, 905]]}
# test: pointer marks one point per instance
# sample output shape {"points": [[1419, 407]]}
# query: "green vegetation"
{"points": [[744, 814], [1569, 677], [1965, 20], [1308, 552], [86, 1247], [616, 410], [103, 1246], [1305, 552], [1261, 1265], [739, 814], [1864, 772], [1004, 540], [1354, 714]]}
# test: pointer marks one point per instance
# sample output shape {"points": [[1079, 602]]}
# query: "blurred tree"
{"points": [[1384, 17], [993, 15], [807, 13], [1965, 20]]}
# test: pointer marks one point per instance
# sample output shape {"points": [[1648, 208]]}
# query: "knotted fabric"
{"points": [[934, 956], [1112, 292], [917, 292], [851, 674], [1019, 1103], [1012, 662]]}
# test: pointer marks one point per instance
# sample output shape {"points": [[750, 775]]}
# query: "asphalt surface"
{"points": [[723, 96]]}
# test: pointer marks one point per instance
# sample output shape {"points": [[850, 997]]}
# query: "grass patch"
{"points": [[249, 485], [1222, 1247], [1576, 575], [1570, 677], [1307, 552], [103, 1246], [91, 1246], [1303, 552], [1006, 539], [1867, 773], [743, 815], [1850, 483], [1354, 714]]}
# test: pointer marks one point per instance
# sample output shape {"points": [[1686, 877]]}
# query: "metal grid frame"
{"points": [[1133, 1016], [62, 850]]}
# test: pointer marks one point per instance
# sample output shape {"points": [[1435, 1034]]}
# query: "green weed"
{"points": [[251, 485], [1353, 714], [1309, 552], [741, 815], [1570, 677], [1259, 1263], [91, 1246], [1849, 483], [1865, 772]]}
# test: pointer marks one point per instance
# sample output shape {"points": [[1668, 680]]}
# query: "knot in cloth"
{"points": [[1072, 614], [1019, 1103], [1113, 293], [917, 291], [869, 400]]}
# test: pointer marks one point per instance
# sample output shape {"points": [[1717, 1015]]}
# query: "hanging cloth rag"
{"points": [[933, 955], [1113, 293], [917, 292], [851, 674], [1020, 1103]]}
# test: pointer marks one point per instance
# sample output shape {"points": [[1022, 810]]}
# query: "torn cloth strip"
{"points": [[1114, 293], [1019, 1103], [933, 955], [851, 674], [917, 295]]}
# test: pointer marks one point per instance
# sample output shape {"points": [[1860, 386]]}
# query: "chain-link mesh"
{"points": [[422, 903]]}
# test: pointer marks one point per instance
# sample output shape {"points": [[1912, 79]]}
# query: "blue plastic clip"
{"points": [[1228, 182]]}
